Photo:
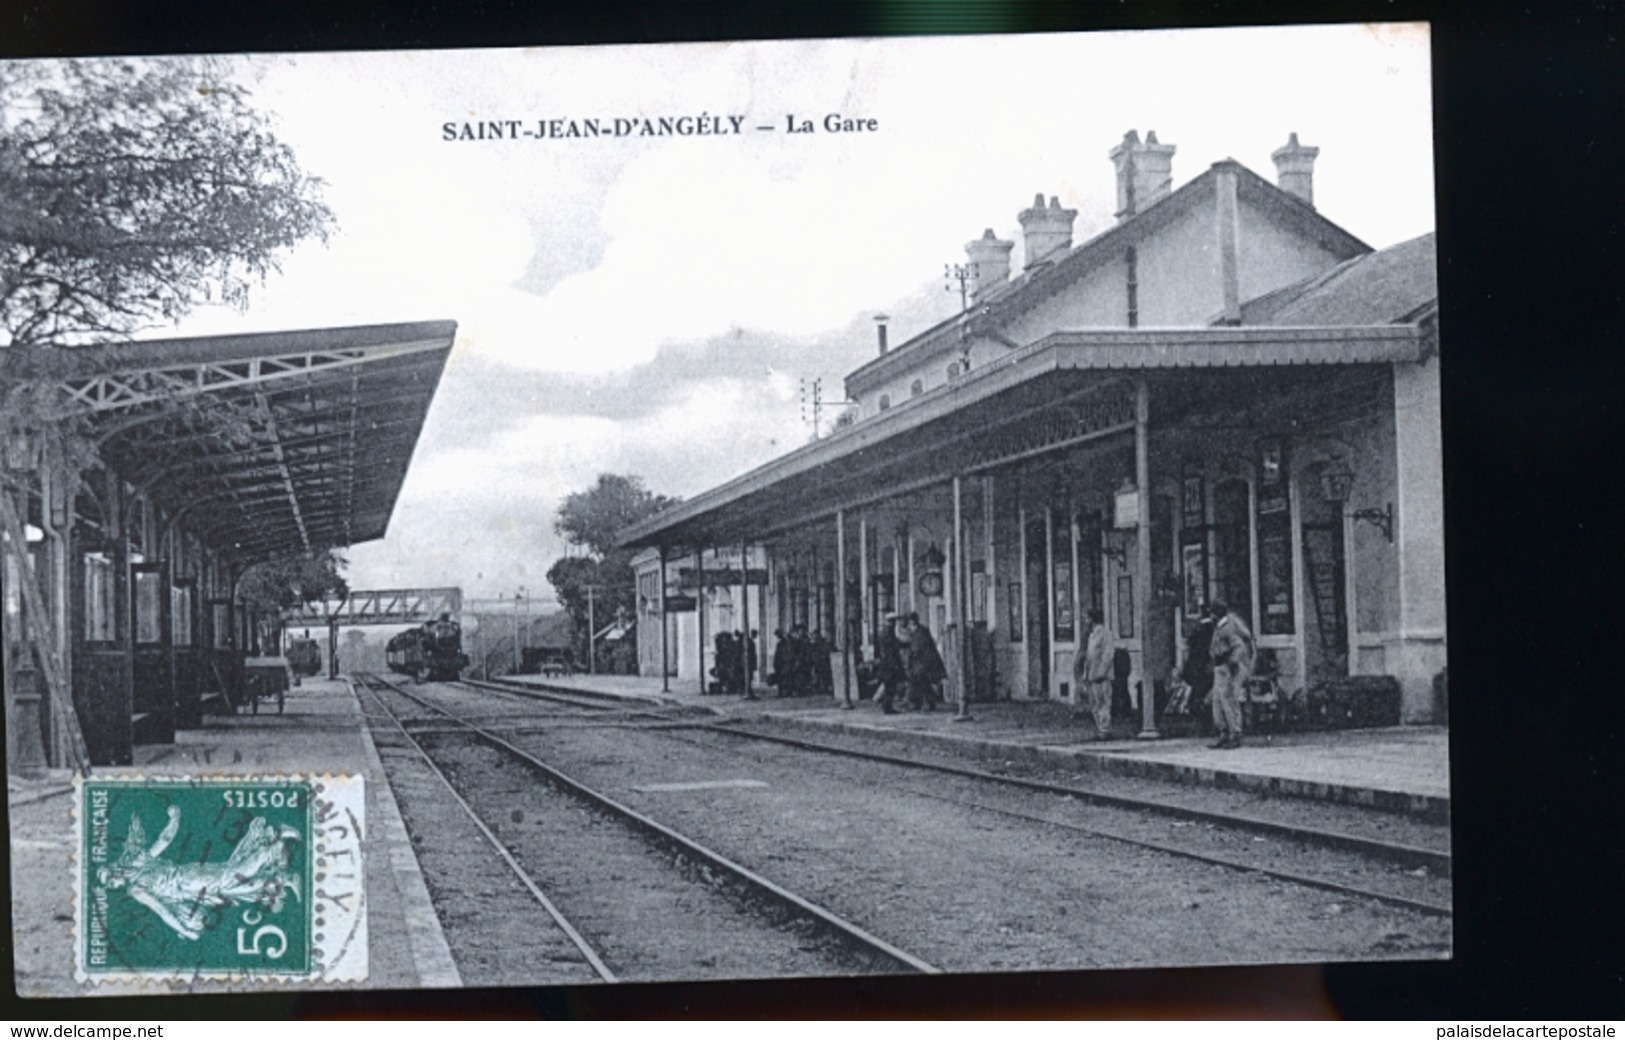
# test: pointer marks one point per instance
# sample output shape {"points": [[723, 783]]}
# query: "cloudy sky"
{"points": [[651, 305]]}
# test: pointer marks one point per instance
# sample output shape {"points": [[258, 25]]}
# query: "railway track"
{"points": [[1405, 855], [1431, 861], [823, 942]]}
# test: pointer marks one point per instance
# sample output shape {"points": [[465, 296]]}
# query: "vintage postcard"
{"points": [[770, 509]]}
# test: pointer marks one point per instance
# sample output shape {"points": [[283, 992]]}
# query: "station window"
{"points": [[148, 607], [826, 600], [180, 613], [98, 598], [220, 626], [13, 601], [885, 401], [916, 388]]}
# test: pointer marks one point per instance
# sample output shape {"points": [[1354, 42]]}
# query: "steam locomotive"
{"points": [[433, 651]]}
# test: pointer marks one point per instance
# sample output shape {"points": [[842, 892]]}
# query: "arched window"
{"points": [[916, 388], [885, 401], [953, 371]]}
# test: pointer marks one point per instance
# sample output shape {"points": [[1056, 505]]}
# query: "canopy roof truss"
{"points": [[1066, 389], [261, 444]]}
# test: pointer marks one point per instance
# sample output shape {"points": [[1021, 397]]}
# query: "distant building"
{"points": [[1225, 396]]}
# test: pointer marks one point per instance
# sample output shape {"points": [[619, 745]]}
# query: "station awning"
{"points": [[263, 443], [1065, 389]]}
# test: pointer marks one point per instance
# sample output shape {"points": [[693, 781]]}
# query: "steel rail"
{"points": [[1307, 880], [700, 853], [579, 698], [1405, 902], [1404, 855], [598, 966], [1437, 861]]}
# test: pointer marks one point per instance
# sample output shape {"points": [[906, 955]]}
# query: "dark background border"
{"points": [[1529, 123]]}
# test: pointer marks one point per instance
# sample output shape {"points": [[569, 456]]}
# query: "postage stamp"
{"points": [[254, 878]]}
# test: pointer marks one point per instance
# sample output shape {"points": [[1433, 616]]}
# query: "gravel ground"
{"points": [[970, 890], [1302, 812], [1297, 812], [498, 934], [1202, 838], [650, 914]]}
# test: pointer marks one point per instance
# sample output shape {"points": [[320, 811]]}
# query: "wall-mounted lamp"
{"points": [[1337, 481]]}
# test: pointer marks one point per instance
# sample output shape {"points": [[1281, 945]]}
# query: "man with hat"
{"points": [[924, 665], [888, 671]]}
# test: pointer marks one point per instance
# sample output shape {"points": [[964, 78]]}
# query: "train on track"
{"points": [[304, 656], [433, 651]]}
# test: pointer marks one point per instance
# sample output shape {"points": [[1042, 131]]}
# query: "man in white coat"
{"points": [[1232, 651], [1092, 674]]}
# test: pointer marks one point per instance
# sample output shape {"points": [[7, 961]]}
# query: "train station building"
{"points": [[143, 479], [1223, 397]]}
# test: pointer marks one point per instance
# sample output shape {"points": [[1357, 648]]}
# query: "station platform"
{"points": [[1402, 769], [321, 730]]}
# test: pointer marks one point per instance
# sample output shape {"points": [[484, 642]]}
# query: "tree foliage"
{"points": [[133, 190], [294, 580], [593, 520]]}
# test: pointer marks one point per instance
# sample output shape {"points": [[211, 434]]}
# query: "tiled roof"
{"points": [[1055, 273], [1390, 285]]}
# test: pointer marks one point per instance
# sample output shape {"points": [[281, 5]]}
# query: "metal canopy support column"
{"points": [[333, 648], [960, 597], [843, 627], [665, 652], [699, 609], [1142, 555], [868, 601], [744, 615]]}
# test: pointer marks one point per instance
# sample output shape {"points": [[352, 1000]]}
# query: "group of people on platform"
{"points": [[1219, 657], [907, 666], [735, 668], [801, 664], [908, 671]]}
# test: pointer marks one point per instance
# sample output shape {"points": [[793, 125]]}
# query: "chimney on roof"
{"points": [[990, 260], [1295, 169], [1045, 229], [1145, 172], [880, 330]]}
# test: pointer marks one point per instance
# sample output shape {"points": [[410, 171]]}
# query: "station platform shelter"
{"points": [[143, 479], [1223, 398]]}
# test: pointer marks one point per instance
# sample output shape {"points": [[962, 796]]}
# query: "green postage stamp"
{"points": [[252, 878]]}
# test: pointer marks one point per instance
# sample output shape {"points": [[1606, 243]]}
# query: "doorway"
{"points": [[1036, 584]]}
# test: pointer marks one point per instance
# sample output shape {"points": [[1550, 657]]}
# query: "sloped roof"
{"points": [[1391, 285], [984, 419], [1054, 274], [265, 443]]}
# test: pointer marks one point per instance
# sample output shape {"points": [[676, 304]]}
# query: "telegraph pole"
{"points": [[961, 277], [516, 657]]}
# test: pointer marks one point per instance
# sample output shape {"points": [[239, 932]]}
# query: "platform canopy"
{"points": [[264, 443], [1063, 390]]}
